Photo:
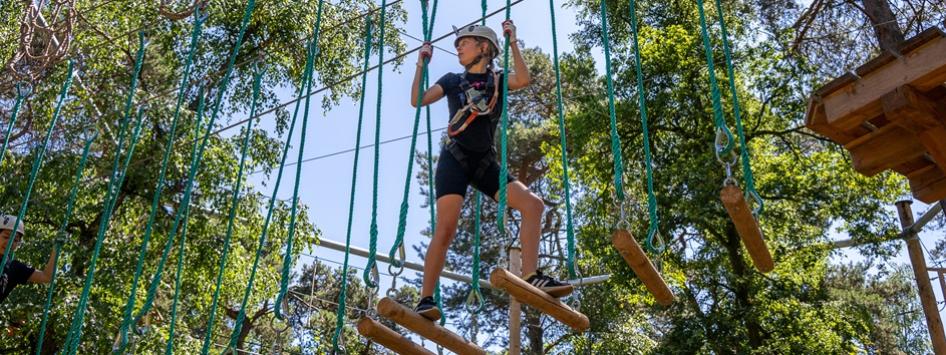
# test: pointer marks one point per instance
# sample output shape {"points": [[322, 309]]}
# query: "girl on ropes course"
{"points": [[469, 158], [17, 273]]}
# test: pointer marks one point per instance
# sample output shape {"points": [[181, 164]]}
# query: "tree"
{"points": [[103, 49]]}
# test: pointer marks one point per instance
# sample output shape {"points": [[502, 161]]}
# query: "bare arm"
{"points": [[520, 77], [45, 275], [432, 94]]}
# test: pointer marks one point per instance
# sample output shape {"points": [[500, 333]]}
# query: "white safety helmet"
{"points": [[7, 221], [478, 31]]}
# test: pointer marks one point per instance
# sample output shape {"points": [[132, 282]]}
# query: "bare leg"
{"points": [[531, 208], [448, 212]]}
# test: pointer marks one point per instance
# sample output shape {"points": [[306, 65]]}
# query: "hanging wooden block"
{"points": [[747, 227], [525, 293], [426, 328], [635, 257], [377, 332]]}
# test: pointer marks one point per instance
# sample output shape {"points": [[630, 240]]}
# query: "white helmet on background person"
{"points": [[7, 221], [478, 31]]}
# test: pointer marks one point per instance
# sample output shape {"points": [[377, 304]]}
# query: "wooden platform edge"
{"points": [[388, 338], [432, 331], [528, 294], [635, 257], [747, 227]]}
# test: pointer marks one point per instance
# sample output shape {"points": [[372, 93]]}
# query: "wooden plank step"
{"points": [[377, 332], [923, 67], [530, 295], [747, 227], [432, 331], [635, 257]]}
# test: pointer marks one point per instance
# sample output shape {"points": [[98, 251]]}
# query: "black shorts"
{"points": [[453, 177]]}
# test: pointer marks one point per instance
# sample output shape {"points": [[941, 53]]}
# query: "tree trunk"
{"points": [[740, 285], [534, 331], [881, 17]]}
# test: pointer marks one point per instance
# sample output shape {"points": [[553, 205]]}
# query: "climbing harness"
{"points": [[478, 102]]}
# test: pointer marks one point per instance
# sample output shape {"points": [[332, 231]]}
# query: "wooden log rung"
{"points": [[532, 296], [424, 327], [377, 332], [747, 227], [635, 257]]}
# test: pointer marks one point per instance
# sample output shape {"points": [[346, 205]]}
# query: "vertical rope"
{"points": [[20, 96], [373, 232], [615, 139], [38, 162], [648, 161], [405, 199], [340, 312], [234, 202], [58, 244], [169, 344], [504, 164], [714, 87], [569, 227], [238, 323], [744, 151], [159, 188], [287, 257], [195, 165], [73, 337]]}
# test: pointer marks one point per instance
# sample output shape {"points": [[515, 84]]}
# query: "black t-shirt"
{"points": [[15, 274], [479, 135]]}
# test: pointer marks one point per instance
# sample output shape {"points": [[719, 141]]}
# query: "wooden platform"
{"points": [[377, 332], [890, 114], [528, 294], [432, 331]]}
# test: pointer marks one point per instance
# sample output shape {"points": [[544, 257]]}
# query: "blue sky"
{"points": [[325, 183]]}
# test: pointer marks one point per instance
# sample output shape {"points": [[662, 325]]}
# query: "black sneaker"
{"points": [[548, 284], [428, 309]]}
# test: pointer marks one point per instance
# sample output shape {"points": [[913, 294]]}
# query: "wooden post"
{"points": [[515, 309], [747, 227], [634, 256], [424, 327], [923, 285], [530, 295], [371, 329]]}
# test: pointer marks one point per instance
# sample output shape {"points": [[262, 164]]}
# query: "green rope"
{"points": [[169, 345], [38, 162], [20, 96], [234, 201], [373, 232], [340, 313], [195, 164], [58, 244], [719, 120], [483, 8], [504, 164], [73, 338], [405, 199], [569, 226], [238, 323], [749, 179], [159, 188], [615, 139], [287, 257], [648, 161], [476, 294]]}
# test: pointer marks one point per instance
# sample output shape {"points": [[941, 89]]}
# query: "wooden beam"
{"points": [[923, 68], [883, 149], [528, 294], [747, 227], [928, 184], [924, 288], [926, 118], [635, 257], [377, 332], [407, 318]]}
